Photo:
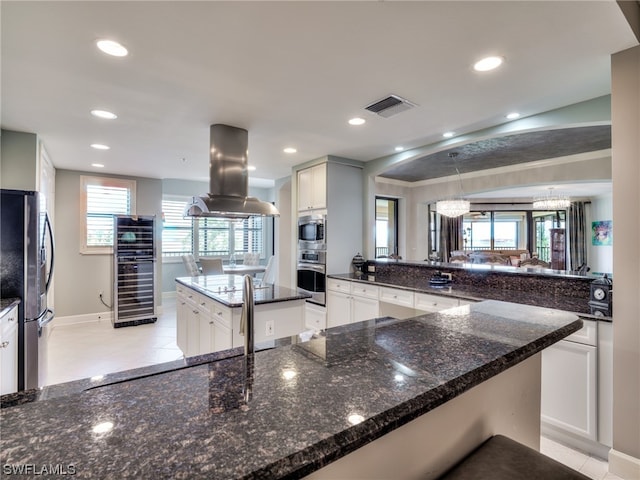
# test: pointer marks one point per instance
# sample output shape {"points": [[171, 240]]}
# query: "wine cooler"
{"points": [[134, 270]]}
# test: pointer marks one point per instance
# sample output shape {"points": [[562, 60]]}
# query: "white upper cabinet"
{"points": [[312, 188]]}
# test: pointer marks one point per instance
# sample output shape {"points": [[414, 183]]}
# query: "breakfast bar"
{"points": [[318, 408]]}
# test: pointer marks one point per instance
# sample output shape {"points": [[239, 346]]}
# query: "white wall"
{"points": [[624, 460]]}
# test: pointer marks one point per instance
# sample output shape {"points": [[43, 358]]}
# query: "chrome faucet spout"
{"points": [[246, 319]]}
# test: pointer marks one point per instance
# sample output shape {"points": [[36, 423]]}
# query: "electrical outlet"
{"points": [[269, 328], [371, 268], [448, 275]]}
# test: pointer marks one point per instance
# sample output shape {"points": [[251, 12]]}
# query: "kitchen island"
{"points": [[208, 310], [308, 408]]}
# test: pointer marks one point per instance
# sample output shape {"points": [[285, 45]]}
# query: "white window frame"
{"points": [[178, 258], [85, 181]]}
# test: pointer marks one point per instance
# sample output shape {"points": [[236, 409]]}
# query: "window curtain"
{"points": [[450, 236], [577, 235]]}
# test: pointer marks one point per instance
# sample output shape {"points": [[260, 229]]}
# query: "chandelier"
{"points": [[552, 201], [455, 207], [452, 208]]}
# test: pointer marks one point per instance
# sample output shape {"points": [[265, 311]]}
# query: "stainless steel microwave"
{"points": [[312, 232]]}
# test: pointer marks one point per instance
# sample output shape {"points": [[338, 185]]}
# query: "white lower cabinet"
{"points": [[427, 303], [204, 325], [569, 384], [349, 302], [9, 352], [315, 316], [338, 308]]}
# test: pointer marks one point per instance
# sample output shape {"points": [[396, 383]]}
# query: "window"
{"points": [[219, 237], [494, 230], [177, 231], [206, 236], [544, 222], [100, 199], [386, 226]]}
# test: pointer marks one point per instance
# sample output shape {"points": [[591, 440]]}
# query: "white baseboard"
{"points": [[169, 295], [623, 465], [84, 318]]}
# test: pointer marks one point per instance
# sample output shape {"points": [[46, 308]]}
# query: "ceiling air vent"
{"points": [[389, 106]]}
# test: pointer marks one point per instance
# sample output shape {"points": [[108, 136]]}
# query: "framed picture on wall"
{"points": [[602, 232]]}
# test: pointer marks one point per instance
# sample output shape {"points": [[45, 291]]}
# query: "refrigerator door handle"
{"points": [[50, 231], [44, 319]]}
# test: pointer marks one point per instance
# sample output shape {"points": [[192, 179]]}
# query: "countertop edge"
{"points": [[6, 304]]}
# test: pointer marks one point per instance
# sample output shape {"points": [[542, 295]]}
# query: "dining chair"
{"points": [[269, 275], [251, 259], [190, 264], [211, 266]]}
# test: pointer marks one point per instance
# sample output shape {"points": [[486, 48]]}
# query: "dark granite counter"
{"points": [[287, 413], [542, 287], [6, 304], [227, 289]]}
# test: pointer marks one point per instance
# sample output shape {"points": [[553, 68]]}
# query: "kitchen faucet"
{"points": [[246, 319]]}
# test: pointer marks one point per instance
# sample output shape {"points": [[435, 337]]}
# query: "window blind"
{"points": [[103, 202], [177, 231]]}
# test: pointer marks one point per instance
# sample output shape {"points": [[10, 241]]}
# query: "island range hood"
{"points": [[228, 179]]}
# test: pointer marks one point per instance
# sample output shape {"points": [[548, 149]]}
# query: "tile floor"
{"points": [[89, 349], [95, 348]]}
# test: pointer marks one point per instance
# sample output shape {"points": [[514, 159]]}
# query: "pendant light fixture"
{"points": [[551, 201], [454, 207]]}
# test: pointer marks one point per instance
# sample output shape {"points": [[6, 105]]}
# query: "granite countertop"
{"points": [[227, 289], [6, 304], [286, 413], [475, 293]]}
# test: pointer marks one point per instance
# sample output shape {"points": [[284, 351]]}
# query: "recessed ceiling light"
{"points": [[104, 114], [448, 134], [513, 115], [399, 148], [97, 165], [99, 146], [357, 121], [290, 150], [251, 168], [111, 47], [488, 63]]}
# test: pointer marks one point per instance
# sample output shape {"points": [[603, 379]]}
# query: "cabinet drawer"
{"points": [[339, 285], [204, 304], [397, 297], [433, 303], [221, 314], [364, 290]]}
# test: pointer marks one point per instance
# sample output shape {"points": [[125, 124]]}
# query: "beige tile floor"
{"points": [[95, 348], [89, 349]]}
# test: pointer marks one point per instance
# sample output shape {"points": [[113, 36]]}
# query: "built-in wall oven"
{"points": [[312, 274], [312, 232]]}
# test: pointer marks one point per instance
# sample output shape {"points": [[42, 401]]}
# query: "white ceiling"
{"points": [[292, 73]]}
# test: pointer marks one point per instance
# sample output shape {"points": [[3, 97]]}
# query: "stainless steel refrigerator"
{"points": [[26, 270]]}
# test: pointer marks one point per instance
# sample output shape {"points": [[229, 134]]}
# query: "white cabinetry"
{"points": [[204, 325], [9, 352], [312, 188], [315, 316], [349, 302], [569, 384], [425, 302]]}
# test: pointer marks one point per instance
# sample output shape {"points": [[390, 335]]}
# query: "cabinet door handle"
{"points": [[196, 312], [4, 344], [203, 304], [211, 322], [220, 314]]}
